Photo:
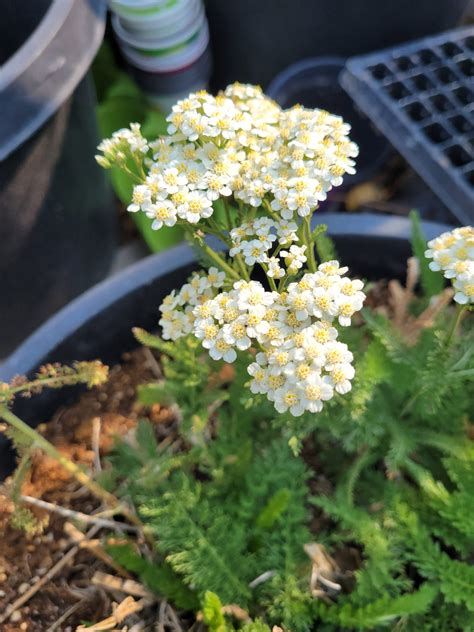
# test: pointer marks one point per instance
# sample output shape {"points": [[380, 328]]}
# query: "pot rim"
{"points": [[142, 273], [42, 74]]}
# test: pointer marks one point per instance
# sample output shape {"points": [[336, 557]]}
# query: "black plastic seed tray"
{"points": [[421, 96]]}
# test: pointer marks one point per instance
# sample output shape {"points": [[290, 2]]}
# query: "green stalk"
{"points": [[242, 267], [219, 261], [230, 223], [460, 310], [309, 243], [271, 280]]}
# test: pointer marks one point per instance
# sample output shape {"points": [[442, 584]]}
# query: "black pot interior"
{"points": [[19, 20]]}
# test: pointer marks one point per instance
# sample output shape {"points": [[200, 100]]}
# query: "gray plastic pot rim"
{"points": [[69, 70], [142, 273]]}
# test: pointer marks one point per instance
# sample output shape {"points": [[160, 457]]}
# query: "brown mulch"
{"points": [[24, 558]]}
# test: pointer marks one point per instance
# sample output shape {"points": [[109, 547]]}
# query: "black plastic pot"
{"points": [[253, 40], [98, 324], [314, 83], [57, 216]]}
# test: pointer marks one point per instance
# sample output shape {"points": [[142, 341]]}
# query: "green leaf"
{"points": [[152, 341], [149, 394], [432, 283], [212, 612], [324, 246], [380, 612], [119, 111], [104, 70], [276, 506], [155, 124]]}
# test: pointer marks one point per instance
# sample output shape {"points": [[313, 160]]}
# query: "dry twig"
{"points": [[78, 515], [95, 442], [95, 547], [121, 611], [128, 586]]}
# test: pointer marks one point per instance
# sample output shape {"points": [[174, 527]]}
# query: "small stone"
{"points": [[15, 616], [24, 626], [22, 588]]}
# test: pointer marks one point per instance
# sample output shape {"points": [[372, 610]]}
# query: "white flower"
{"points": [[215, 277], [294, 258], [141, 197], [275, 271], [235, 334], [196, 207], [286, 232], [162, 212], [252, 295], [289, 397], [336, 353], [215, 185], [221, 350], [173, 180], [259, 383], [464, 290], [340, 377], [316, 390], [254, 251]]}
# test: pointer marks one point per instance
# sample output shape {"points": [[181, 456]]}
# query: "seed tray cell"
{"points": [[421, 96]]}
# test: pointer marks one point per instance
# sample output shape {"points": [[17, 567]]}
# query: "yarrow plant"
{"points": [[357, 517], [238, 167]]}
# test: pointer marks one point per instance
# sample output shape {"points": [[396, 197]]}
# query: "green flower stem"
{"points": [[242, 267], [460, 311], [271, 280], [49, 382], [213, 228], [230, 224], [219, 261], [270, 211], [309, 243]]}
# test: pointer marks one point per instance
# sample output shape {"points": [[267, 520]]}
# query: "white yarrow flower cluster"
{"points": [[241, 144], [302, 364], [123, 142], [177, 317], [453, 254]]}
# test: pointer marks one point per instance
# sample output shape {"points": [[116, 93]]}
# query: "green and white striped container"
{"points": [[162, 17], [171, 58], [163, 38], [166, 45]]}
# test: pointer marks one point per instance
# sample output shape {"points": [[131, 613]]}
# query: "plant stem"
{"points": [[219, 261], [49, 382], [355, 471], [82, 477], [242, 267], [230, 224], [455, 323], [309, 243]]}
